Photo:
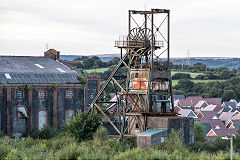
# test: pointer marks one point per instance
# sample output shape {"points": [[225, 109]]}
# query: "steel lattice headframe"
{"points": [[147, 88]]}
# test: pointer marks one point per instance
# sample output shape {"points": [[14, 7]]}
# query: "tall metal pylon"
{"points": [[147, 89]]}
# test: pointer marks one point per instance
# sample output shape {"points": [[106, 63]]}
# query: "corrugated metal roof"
{"points": [[150, 132], [27, 69]]}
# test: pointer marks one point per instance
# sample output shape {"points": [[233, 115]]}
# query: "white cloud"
{"points": [[206, 28]]}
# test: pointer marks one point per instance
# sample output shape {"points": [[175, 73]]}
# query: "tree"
{"points": [[199, 132], [200, 76], [185, 85], [83, 125], [228, 94], [237, 139], [114, 61]]}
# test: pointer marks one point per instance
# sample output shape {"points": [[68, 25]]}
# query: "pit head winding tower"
{"points": [[143, 96]]}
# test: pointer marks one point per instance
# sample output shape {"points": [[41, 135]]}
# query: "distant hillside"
{"points": [[103, 57], [211, 62]]}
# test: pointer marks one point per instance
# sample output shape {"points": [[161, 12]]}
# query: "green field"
{"points": [[98, 70], [193, 75], [196, 81]]}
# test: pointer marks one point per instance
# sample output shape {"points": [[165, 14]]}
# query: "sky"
{"points": [[207, 28]]}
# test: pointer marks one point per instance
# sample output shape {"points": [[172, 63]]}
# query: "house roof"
{"points": [[225, 116], [225, 131], [187, 113], [214, 101], [207, 126], [194, 99], [29, 69], [178, 97], [232, 104], [217, 122], [236, 123], [200, 103], [213, 122], [227, 109], [218, 108], [185, 102], [234, 100], [236, 117], [238, 104], [209, 108], [208, 114]]}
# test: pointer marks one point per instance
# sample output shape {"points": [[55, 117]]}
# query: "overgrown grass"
{"points": [[101, 147], [65, 147]]}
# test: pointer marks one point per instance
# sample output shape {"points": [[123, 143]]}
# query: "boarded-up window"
{"points": [[42, 119], [19, 95], [68, 115], [139, 84], [69, 94], [160, 85], [41, 94]]}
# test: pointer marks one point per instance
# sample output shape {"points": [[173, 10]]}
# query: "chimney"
{"points": [[52, 53]]}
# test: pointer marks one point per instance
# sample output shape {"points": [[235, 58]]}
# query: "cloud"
{"points": [[206, 28]]}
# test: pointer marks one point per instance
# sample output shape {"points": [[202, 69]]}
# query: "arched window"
{"points": [[42, 119], [68, 114], [69, 94]]}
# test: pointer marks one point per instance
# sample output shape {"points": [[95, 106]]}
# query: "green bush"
{"points": [[83, 125], [69, 151], [174, 142], [101, 134], [46, 133], [1, 134], [59, 142], [130, 142], [4, 150]]}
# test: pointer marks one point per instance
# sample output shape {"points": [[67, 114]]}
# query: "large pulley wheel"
{"points": [[141, 35]]}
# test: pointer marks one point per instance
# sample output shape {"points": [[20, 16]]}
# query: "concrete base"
{"points": [[183, 124], [151, 137]]}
